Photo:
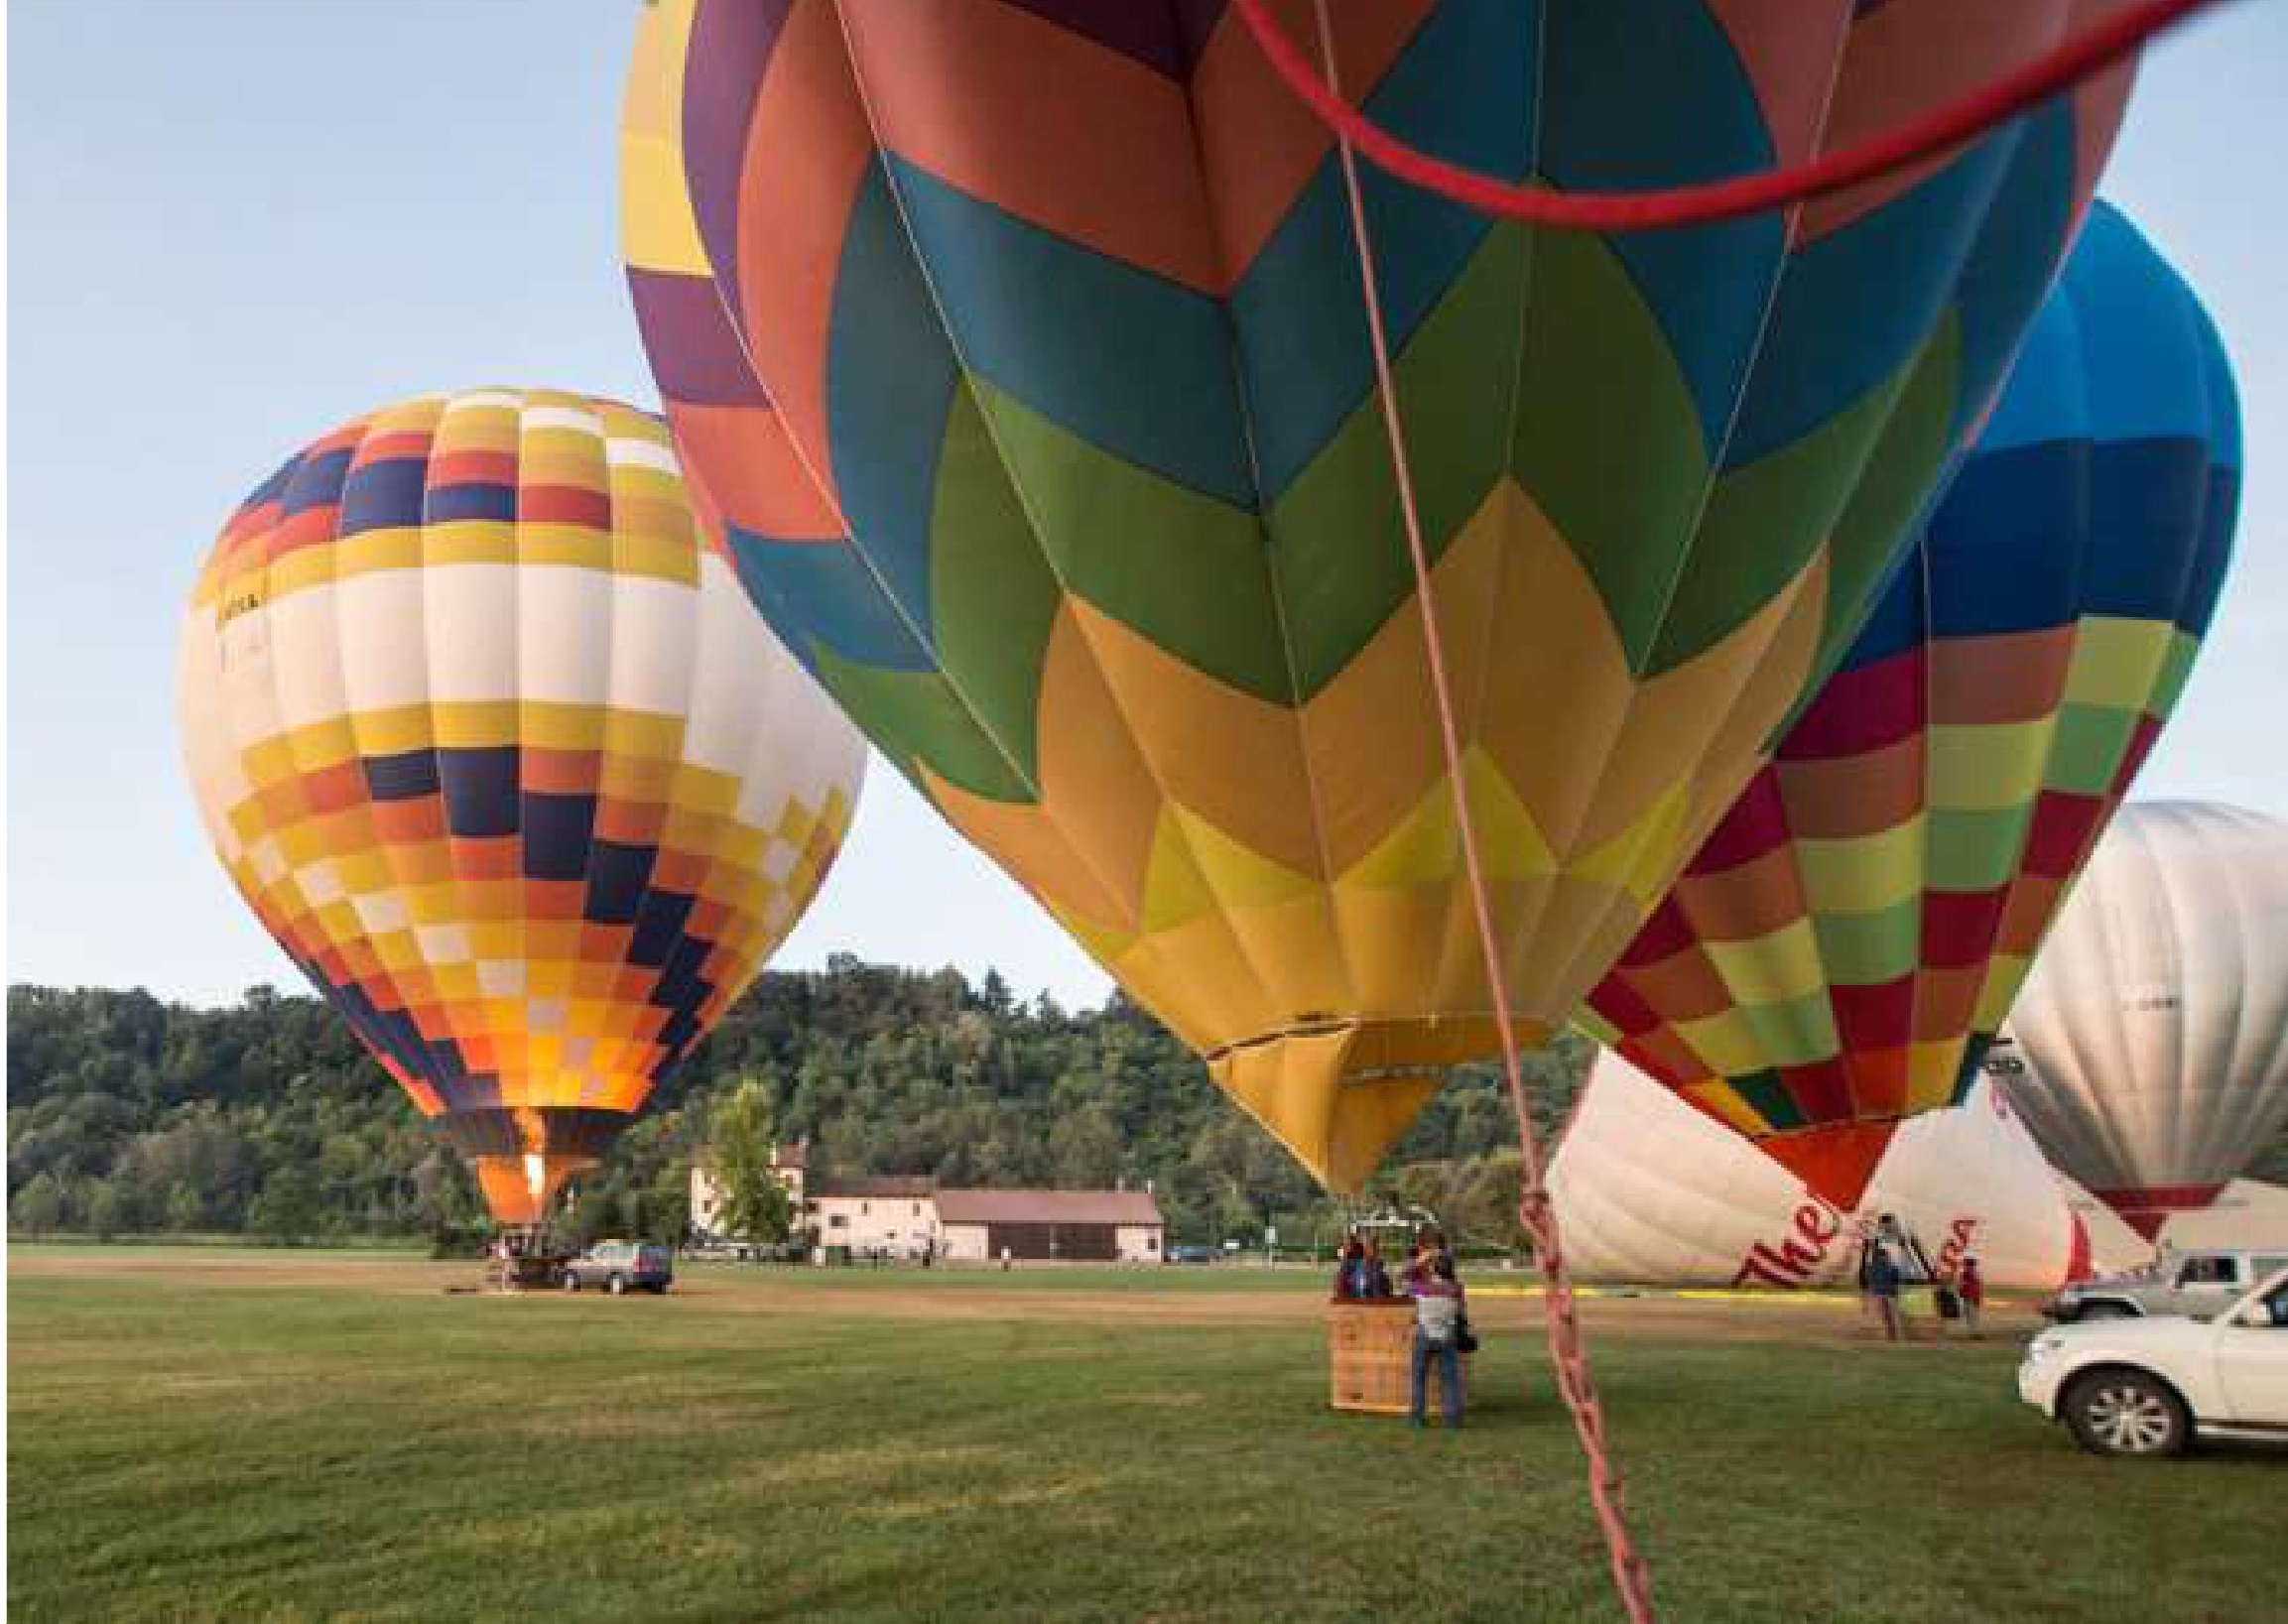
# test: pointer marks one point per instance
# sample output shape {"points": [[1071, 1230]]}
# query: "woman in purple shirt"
{"points": [[1439, 1304]]}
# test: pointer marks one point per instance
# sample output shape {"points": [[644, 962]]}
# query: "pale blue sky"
{"points": [[233, 224]]}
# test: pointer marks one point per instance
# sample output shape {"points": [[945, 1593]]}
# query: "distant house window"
{"points": [[865, 1209], [1151, 1243], [837, 1221], [917, 1210]]}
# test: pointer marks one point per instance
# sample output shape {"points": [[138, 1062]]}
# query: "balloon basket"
{"points": [[523, 1259], [1370, 1358]]}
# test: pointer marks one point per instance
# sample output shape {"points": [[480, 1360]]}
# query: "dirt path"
{"points": [[1814, 1321]]}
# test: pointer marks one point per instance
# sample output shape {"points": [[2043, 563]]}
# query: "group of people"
{"points": [[1888, 1254], [1442, 1332]]}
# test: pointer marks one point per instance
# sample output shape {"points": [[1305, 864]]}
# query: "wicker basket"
{"points": [[1370, 1354]]}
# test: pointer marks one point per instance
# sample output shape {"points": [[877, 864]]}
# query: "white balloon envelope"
{"points": [[1651, 1191], [2153, 1028]]}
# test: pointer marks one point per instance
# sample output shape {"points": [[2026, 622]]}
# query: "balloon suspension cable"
{"points": [[1926, 136], [1569, 1357]]}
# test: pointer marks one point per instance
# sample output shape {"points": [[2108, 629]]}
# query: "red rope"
{"points": [[1567, 1357], [1922, 137]]}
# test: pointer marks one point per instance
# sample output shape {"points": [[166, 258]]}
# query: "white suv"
{"points": [[2145, 1385]]}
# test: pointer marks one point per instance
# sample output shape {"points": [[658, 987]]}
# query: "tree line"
{"points": [[131, 1115]]}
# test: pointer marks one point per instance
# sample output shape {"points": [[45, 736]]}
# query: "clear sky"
{"points": [[233, 224]]}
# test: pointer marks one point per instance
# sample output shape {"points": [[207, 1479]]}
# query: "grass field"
{"points": [[243, 1436]]}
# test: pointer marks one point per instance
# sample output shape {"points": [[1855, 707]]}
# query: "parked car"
{"points": [[2146, 1386], [2199, 1283], [1191, 1254], [619, 1266]]}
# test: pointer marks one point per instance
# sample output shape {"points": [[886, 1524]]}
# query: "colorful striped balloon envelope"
{"points": [[1019, 351], [1842, 951], [506, 763]]}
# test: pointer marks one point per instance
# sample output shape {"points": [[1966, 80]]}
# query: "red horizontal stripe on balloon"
{"points": [[1881, 1016], [1665, 932], [1947, 1000], [1760, 896], [557, 772], [1822, 1089], [2011, 677], [1664, 1054], [1959, 925], [2026, 916], [564, 505], [406, 444], [554, 898], [1043, 123], [1620, 1005], [472, 468], [336, 789], [1852, 796], [1683, 987], [1757, 825], [404, 823], [491, 857], [311, 527], [630, 822], [2141, 737], [1878, 1081], [1862, 711], [2061, 832]]}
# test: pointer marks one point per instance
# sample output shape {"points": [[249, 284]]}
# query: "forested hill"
{"points": [[130, 1115]]}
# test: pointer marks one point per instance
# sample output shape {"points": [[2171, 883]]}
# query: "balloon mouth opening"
{"points": [[1338, 1094], [2147, 1209], [520, 1189]]}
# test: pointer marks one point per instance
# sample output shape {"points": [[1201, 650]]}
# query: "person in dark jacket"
{"points": [[1883, 1285]]}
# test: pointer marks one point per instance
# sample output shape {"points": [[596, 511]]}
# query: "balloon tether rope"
{"points": [[1569, 1359], [1926, 136]]}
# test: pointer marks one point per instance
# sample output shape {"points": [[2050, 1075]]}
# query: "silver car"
{"points": [[2199, 1285]]}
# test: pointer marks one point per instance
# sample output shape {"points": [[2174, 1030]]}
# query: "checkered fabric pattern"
{"points": [[1842, 951], [502, 758], [1053, 311]]}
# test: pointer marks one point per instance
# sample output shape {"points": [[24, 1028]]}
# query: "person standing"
{"points": [[1882, 1275], [1970, 1288], [1439, 1304]]}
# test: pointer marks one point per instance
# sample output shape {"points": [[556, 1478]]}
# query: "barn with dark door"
{"points": [[1054, 1225]]}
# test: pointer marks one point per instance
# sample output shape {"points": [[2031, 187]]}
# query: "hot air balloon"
{"points": [[1841, 952], [1059, 310], [506, 763], [1653, 1193], [2154, 1026]]}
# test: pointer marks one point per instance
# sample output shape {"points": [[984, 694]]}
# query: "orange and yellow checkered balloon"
{"points": [[502, 757]]}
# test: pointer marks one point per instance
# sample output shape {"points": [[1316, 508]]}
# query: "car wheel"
{"points": [[2125, 1412], [572, 1281], [619, 1285]]}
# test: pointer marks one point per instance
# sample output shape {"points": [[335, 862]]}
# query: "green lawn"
{"points": [[278, 1437]]}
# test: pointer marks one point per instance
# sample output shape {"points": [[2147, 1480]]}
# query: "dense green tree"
{"points": [[289, 1208], [266, 1117], [740, 1140], [41, 1206]]}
